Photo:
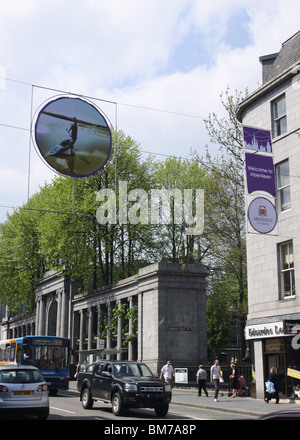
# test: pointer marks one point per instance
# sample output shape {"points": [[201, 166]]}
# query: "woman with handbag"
{"points": [[272, 386]]}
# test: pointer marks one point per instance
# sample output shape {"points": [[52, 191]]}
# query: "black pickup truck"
{"points": [[124, 385]]}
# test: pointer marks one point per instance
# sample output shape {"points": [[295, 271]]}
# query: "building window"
{"points": [[287, 275], [279, 123], [283, 186]]}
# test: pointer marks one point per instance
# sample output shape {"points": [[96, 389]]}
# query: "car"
{"points": [[288, 414], [23, 390], [123, 384]]}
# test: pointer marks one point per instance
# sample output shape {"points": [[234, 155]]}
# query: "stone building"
{"points": [[167, 300], [273, 259]]}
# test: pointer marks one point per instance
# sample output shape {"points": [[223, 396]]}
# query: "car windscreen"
{"points": [[20, 376], [136, 370]]}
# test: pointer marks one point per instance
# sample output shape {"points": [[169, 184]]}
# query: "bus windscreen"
{"points": [[46, 354]]}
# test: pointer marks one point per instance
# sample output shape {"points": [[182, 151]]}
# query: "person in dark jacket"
{"points": [[273, 378], [234, 380]]}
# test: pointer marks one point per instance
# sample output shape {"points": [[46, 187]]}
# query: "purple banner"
{"points": [[260, 173], [257, 139]]}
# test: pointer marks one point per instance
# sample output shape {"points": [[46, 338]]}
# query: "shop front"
{"points": [[277, 345]]}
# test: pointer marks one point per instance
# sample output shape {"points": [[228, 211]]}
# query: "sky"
{"points": [[155, 69]]}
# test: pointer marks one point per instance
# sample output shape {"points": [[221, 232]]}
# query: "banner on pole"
{"points": [[260, 173], [257, 139]]}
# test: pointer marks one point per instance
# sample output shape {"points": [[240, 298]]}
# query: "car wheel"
{"points": [[87, 401], [43, 414], [117, 407], [161, 411]]}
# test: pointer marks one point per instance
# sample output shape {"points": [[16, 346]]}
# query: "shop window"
{"points": [[275, 345], [279, 121], [287, 275], [283, 186]]}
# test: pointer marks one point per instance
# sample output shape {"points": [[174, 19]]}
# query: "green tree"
{"points": [[225, 214], [176, 174], [97, 253], [21, 262]]}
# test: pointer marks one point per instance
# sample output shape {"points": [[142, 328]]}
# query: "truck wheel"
{"points": [[161, 411], [87, 401], [117, 406]]}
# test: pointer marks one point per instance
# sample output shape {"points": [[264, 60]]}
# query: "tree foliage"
{"points": [[225, 212], [58, 228]]}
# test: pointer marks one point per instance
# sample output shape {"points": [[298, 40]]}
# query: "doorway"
{"points": [[52, 318], [275, 357]]}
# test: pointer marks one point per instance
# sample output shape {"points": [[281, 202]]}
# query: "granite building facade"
{"points": [[273, 258]]}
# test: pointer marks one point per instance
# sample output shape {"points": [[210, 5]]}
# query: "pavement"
{"points": [[247, 406]]}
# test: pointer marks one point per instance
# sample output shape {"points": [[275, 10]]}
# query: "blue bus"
{"points": [[50, 354]]}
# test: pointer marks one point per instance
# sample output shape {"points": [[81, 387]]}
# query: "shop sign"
{"points": [[291, 326], [293, 373], [268, 330]]}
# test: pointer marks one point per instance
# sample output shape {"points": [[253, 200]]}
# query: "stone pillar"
{"points": [[99, 323], [259, 368], [64, 314], [81, 330], [140, 326], [108, 334], [119, 331], [42, 316], [37, 318], [58, 320], [90, 328], [130, 331]]}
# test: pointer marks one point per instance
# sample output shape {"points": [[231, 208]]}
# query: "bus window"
{"points": [[12, 352], [19, 352]]}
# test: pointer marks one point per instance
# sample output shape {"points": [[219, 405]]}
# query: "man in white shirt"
{"points": [[201, 380], [167, 373], [215, 377]]}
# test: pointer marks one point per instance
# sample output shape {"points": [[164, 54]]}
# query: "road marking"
{"points": [[63, 410], [185, 415]]}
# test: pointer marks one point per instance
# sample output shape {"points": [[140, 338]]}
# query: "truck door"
{"points": [[97, 381], [106, 380]]}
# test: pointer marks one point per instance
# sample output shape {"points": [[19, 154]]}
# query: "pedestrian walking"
{"points": [[215, 377], [167, 373], [233, 380], [273, 378], [201, 380]]}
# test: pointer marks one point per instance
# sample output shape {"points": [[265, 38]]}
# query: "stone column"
{"points": [[130, 331], [90, 328], [140, 326], [119, 331], [37, 318], [108, 334], [58, 320], [42, 316], [64, 313], [99, 323], [81, 333]]}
